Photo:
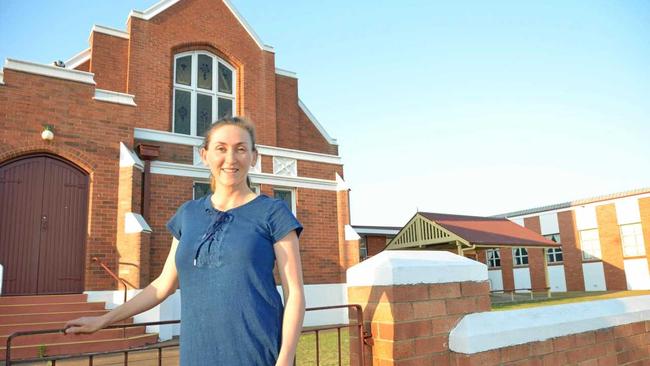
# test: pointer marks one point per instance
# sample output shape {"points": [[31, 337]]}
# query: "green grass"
{"points": [[562, 298], [328, 352]]}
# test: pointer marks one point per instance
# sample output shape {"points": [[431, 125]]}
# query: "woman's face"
{"points": [[229, 155]]}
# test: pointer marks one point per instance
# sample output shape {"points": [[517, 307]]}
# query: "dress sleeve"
{"points": [[174, 225], [281, 221]]}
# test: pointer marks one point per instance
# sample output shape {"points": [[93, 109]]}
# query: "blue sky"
{"points": [[467, 107]]}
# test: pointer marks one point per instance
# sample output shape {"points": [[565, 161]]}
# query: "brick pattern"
{"points": [[375, 244], [410, 324], [174, 153], [507, 268], [314, 169], [571, 253], [536, 257], [108, 61], [622, 345], [612, 250]]}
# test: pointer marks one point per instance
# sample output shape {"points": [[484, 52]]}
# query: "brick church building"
{"points": [[97, 152]]}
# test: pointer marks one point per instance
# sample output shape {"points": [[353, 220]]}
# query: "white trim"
{"points": [[481, 332], [163, 5], [286, 73], [135, 223], [409, 267], [292, 191], [128, 158], [318, 126], [186, 170], [376, 231], [78, 59], [182, 139], [153, 10], [110, 31], [248, 28], [114, 97], [351, 233], [2, 78], [595, 204], [51, 71]]}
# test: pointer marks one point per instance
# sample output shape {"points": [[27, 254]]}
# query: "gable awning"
{"points": [[445, 231]]}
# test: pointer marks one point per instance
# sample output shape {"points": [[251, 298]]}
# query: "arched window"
{"points": [[204, 91]]}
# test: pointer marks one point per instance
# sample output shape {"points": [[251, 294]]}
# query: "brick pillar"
{"points": [[506, 268], [348, 239], [536, 257], [411, 300], [644, 213], [571, 253], [612, 250]]}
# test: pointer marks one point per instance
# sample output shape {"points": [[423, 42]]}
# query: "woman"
{"points": [[223, 252]]}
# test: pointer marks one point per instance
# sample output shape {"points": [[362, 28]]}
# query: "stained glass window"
{"points": [[203, 113], [182, 111], [225, 79], [205, 72], [184, 70], [225, 108]]}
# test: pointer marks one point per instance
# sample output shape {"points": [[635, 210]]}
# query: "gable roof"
{"points": [[480, 230], [163, 5]]}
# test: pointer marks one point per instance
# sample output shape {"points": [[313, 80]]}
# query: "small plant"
{"points": [[42, 351]]}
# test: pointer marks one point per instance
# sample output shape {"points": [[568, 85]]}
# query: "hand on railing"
{"points": [[87, 324]]}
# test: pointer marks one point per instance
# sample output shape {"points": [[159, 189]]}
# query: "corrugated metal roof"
{"points": [[489, 230], [579, 202]]}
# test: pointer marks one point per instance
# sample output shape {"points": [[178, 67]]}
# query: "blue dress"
{"points": [[231, 311]]}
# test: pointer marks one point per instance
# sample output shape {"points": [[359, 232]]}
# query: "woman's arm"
{"points": [[152, 295], [287, 255]]}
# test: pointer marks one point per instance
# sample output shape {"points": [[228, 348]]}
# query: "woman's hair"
{"points": [[240, 122]]}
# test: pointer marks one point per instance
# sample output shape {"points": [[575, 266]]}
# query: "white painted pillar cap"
{"points": [[411, 267]]}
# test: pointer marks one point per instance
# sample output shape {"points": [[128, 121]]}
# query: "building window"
{"points": [[287, 195], [201, 189], [204, 91], [632, 240], [363, 249], [590, 244], [555, 238], [554, 255], [255, 188], [520, 256], [493, 258]]}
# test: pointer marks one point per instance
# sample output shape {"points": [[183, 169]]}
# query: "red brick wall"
{"points": [[536, 257], [375, 244], [571, 253], [612, 251], [507, 268], [108, 61], [313, 169], [286, 90], [312, 140], [644, 211], [82, 135], [621, 345]]}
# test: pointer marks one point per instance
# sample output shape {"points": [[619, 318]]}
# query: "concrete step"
{"points": [[50, 338], [47, 317], [42, 299], [72, 348], [6, 330], [50, 307]]}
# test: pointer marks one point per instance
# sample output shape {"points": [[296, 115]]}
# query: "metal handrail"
{"points": [[118, 279], [364, 339]]}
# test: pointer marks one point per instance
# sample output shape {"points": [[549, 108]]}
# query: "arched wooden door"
{"points": [[43, 218]]}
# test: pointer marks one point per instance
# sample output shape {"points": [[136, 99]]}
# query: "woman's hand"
{"points": [[85, 325]]}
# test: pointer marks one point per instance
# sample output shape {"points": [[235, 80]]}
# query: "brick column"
{"points": [[611, 248], [536, 265], [507, 272], [411, 300], [571, 253], [644, 213]]}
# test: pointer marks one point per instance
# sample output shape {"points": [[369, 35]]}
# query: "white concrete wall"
{"points": [[557, 278], [170, 309], [594, 276], [549, 223], [627, 211], [636, 274], [495, 277], [479, 332], [522, 277]]}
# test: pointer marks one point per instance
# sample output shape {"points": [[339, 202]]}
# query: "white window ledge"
{"points": [[135, 223], [114, 97], [51, 71], [481, 332]]}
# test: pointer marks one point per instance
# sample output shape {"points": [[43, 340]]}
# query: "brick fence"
{"points": [[433, 308]]}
